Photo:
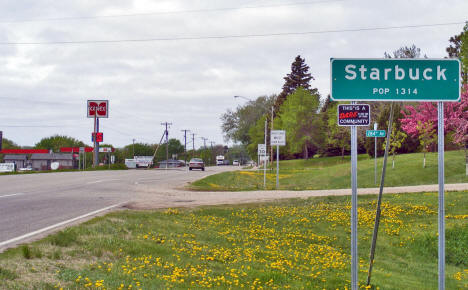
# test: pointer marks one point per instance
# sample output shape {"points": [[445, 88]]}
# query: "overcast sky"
{"points": [[182, 63]]}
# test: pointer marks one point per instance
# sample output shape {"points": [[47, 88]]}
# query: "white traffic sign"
{"points": [[261, 149], [278, 138], [105, 149]]}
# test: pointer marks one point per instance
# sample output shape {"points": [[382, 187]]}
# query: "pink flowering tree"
{"points": [[455, 119], [458, 123]]}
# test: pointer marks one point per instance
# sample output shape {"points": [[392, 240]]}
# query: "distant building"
{"points": [[20, 160], [44, 161]]}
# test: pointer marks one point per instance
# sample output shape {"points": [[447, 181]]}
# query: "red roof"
{"points": [[23, 151]]}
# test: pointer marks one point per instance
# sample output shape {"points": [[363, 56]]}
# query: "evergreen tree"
{"points": [[299, 77]]}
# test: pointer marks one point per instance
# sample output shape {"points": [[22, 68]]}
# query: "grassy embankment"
{"points": [[334, 173], [296, 244]]}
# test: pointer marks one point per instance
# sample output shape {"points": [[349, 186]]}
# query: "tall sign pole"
{"points": [[352, 116], [375, 156], [95, 152], [264, 157], [426, 80], [97, 109], [441, 212], [277, 138]]}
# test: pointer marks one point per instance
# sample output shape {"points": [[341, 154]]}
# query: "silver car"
{"points": [[196, 163]]}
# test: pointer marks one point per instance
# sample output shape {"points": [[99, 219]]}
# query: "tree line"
{"points": [[175, 149], [310, 120]]}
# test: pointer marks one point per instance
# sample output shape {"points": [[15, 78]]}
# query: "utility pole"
{"points": [[133, 147], [193, 144], [185, 145], [167, 140], [204, 145], [211, 154], [204, 141]]}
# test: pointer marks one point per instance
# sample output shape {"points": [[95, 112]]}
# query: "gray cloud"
{"points": [[189, 83]]}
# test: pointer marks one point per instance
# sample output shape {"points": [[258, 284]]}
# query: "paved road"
{"points": [[32, 205]]}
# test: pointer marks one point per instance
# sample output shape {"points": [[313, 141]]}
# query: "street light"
{"points": [[271, 153]]}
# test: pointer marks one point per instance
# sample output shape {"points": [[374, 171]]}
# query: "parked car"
{"points": [[235, 162], [196, 163]]}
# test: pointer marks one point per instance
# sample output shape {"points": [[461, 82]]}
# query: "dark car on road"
{"points": [[196, 163]]}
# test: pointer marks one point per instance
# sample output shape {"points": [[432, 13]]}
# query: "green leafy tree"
{"points": [[55, 142], [174, 148], [257, 136], [299, 117], [397, 138], [8, 144], [236, 124], [459, 48], [427, 137]]}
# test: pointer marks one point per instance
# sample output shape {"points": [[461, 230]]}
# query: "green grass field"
{"points": [[334, 173], [293, 244]]}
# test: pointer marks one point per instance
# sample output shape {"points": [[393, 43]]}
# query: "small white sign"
{"points": [[278, 138], [264, 158], [261, 149], [105, 149], [7, 167]]}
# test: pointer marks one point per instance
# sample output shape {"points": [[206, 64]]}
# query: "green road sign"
{"points": [[375, 133], [395, 79]]}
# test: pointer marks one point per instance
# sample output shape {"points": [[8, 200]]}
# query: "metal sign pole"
{"points": [[354, 253], [264, 156], [375, 156], [277, 166], [95, 154], [440, 111]]}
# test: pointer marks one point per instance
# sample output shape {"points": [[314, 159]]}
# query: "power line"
{"points": [[232, 36], [167, 12]]}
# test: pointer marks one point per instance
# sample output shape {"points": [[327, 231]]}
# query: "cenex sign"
{"points": [[98, 108], [395, 79]]}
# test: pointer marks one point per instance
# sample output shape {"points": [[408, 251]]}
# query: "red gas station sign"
{"points": [[99, 137], [98, 108]]}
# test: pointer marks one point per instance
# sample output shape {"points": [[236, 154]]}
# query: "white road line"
{"points": [[57, 225], [102, 180], [14, 194]]}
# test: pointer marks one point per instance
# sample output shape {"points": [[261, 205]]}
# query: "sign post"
{"points": [[97, 109], [278, 138], [375, 133], [441, 215], [354, 115], [428, 80], [261, 154]]}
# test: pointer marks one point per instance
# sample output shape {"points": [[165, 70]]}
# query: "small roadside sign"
{"points": [[354, 115], [376, 133], [278, 138], [82, 150], [261, 149], [105, 149]]}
